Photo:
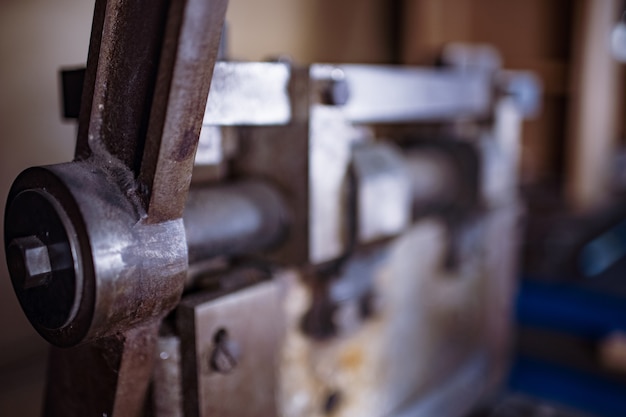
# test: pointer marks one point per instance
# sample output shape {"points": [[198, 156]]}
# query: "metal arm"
{"points": [[107, 228]]}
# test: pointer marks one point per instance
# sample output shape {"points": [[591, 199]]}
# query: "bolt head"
{"points": [[222, 361], [34, 258], [39, 257], [226, 353], [337, 93]]}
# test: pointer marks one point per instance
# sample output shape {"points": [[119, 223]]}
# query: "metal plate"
{"points": [[251, 318], [250, 93]]}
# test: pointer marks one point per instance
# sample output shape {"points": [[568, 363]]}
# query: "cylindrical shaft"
{"points": [[233, 219]]}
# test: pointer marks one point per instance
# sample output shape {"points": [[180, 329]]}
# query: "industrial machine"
{"points": [[262, 238]]}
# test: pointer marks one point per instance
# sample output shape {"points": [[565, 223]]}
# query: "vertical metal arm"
{"points": [[146, 86]]}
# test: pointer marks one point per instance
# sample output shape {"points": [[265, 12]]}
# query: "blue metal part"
{"points": [[566, 308], [586, 314], [588, 393], [604, 251]]}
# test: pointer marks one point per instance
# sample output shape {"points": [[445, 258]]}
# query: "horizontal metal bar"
{"points": [[256, 93], [249, 93], [380, 94]]}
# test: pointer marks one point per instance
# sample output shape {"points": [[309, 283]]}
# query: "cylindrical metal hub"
{"points": [[82, 261]]}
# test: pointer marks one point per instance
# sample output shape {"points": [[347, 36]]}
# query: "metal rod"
{"points": [[233, 219]]}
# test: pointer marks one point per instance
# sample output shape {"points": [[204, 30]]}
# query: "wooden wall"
{"points": [[565, 42], [529, 34]]}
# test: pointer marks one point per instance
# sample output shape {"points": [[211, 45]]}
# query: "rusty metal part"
{"points": [[93, 207], [103, 292], [106, 378], [125, 45], [233, 219], [185, 69], [230, 345], [116, 212]]}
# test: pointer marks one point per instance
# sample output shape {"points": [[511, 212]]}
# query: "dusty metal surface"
{"points": [[433, 338], [432, 343], [249, 93]]}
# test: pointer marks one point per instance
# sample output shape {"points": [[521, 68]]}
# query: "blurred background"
{"points": [[572, 300]]}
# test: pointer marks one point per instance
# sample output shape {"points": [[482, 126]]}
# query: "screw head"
{"points": [[225, 353], [335, 90]]}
